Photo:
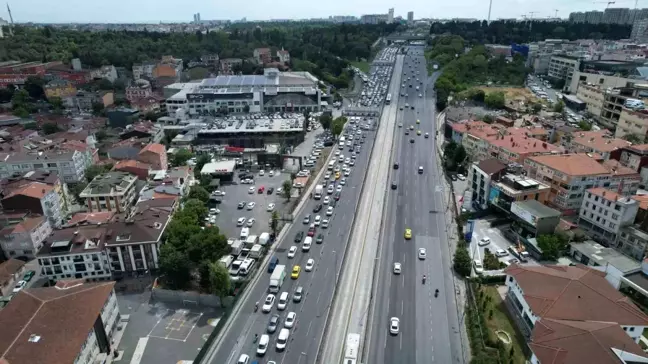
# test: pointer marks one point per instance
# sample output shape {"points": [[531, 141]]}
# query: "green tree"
{"points": [[552, 246], [559, 107], [181, 157], [462, 263], [287, 189], [221, 285], [175, 267], [199, 193], [633, 138], [326, 120], [274, 223], [495, 100]]}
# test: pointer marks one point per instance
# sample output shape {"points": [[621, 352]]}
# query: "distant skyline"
{"points": [[155, 11]]}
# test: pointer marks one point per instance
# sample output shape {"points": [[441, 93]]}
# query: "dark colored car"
{"points": [[270, 190], [320, 239], [299, 237], [317, 208]]}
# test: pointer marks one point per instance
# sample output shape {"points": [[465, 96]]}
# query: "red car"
{"points": [[261, 189]]}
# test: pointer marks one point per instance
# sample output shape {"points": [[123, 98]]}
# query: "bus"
{"points": [[351, 349], [388, 99]]}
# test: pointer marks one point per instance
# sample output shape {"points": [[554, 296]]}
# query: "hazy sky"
{"points": [[138, 11]]}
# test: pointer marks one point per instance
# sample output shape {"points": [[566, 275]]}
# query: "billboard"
{"points": [[470, 227], [523, 214]]}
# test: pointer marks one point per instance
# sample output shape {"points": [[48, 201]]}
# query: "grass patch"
{"points": [[363, 66], [500, 321]]}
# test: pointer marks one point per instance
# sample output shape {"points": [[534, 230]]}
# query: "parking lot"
{"points": [[235, 194], [162, 333]]}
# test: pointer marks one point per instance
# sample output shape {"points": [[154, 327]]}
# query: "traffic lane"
{"points": [[252, 324]]}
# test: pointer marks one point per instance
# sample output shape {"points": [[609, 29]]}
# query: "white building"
{"points": [[69, 323], [604, 213]]}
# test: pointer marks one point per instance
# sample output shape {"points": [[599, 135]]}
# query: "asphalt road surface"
{"points": [[428, 324], [318, 285]]}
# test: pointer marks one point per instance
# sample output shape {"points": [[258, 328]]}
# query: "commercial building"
{"points": [[69, 323], [570, 175], [604, 213], [37, 198], [75, 252], [509, 188], [24, 239], [480, 176], [112, 191]]}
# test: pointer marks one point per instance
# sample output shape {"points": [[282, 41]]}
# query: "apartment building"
{"points": [[562, 67], [601, 142], [71, 322], [112, 191], [480, 175], [570, 175], [76, 252], [509, 188], [604, 213], [25, 238], [633, 122], [517, 148], [37, 198], [70, 165]]}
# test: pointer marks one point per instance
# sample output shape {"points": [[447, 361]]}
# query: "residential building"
{"points": [[228, 66], [570, 175], [563, 67], [601, 142], [604, 213], [140, 169], [70, 166], [155, 155], [69, 323], [633, 122], [11, 271], [60, 88], [37, 198], [509, 188], [135, 243], [517, 148], [262, 55], [121, 117], [139, 89], [112, 191], [76, 252], [573, 294], [25, 238], [108, 72], [283, 56], [480, 175], [84, 100]]}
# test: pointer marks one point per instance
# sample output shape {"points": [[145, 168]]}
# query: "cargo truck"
{"points": [[318, 192], [277, 278]]}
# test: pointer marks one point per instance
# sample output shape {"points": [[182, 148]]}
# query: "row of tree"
{"points": [[508, 32]]}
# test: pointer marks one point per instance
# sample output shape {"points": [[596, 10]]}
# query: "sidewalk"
{"points": [[453, 239]]}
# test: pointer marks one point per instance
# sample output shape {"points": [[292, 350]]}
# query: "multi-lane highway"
{"points": [[318, 284], [429, 325]]}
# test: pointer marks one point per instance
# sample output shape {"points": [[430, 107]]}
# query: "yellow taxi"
{"points": [[418, 121], [337, 175], [295, 272], [408, 234], [418, 132]]}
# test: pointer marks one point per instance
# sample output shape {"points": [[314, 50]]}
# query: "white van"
{"points": [[263, 345], [282, 340], [283, 301], [307, 243], [245, 232]]}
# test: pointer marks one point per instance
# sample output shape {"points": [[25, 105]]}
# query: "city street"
{"points": [[429, 325]]}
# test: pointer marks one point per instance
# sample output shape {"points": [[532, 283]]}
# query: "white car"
{"points": [[397, 268], [261, 172], [339, 189], [318, 220], [251, 190], [310, 263], [394, 325], [325, 224], [422, 254], [241, 221], [343, 181], [289, 322], [251, 205], [329, 211], [250, 222], [268, 303], [271, 206], [292, 251], [327, 200], [484, 241], [479, 267]]}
